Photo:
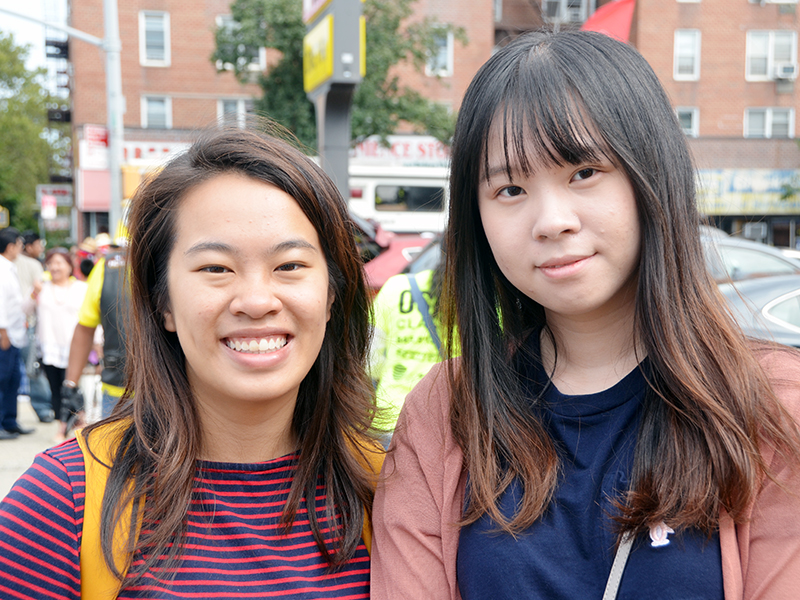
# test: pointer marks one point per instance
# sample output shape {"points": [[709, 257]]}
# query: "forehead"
{"points": [[241, 210]]}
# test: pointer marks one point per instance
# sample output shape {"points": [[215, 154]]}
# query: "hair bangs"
{"points": [[543, 120]]}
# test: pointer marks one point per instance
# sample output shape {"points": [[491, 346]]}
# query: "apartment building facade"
{"points": [[170, 86], [730, 68]]}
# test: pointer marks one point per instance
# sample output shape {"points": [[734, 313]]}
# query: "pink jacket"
{"points": [[422, 493]]}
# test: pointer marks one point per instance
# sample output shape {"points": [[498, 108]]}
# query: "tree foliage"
{"points": [[380, 102], [29, 146]]}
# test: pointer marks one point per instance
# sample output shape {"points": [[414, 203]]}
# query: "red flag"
{"points": [[613, 19]]}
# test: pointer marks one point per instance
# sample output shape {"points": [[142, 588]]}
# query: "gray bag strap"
{"points": [[620, 559], [422, 306]]}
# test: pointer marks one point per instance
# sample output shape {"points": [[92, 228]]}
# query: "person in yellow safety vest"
{"points": [[105, 304], [406, 342]]}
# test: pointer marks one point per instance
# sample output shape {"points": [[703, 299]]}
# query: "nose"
{"points": [[255, 297], [554, 215]]}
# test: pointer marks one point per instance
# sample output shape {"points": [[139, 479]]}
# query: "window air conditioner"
{"points": [[786, 71]]}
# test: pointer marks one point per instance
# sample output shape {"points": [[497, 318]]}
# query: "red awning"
{"points": [[613, 19]]}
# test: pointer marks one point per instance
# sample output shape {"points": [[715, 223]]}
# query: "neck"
{"points": [[247, 433], [590, 356]]}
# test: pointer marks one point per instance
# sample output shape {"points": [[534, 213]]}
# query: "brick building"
{"points": [[171, 88], [730, 68]]}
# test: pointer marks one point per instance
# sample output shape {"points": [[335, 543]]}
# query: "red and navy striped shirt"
{"points": [[235, 546]]}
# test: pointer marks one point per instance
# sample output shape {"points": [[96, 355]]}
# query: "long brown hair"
{"points": [[564, 98], [155, 463]]}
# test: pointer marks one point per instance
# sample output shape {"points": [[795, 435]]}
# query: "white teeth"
{"points": [[257, 346]]}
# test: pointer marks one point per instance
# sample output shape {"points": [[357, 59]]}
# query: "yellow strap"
{"points": [[372, 459], [97, 581]]}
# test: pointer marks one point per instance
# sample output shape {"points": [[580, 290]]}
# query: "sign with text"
{"points": [[61, 192], [93, 148], [746, 191]]}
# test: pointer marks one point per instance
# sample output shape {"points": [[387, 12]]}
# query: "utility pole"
{"points": [[112, 47]]}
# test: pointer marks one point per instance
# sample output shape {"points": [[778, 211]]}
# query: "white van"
{"points": [[401, 199]]}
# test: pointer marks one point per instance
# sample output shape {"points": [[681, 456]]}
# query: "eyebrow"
{"points": [[228, 249]]}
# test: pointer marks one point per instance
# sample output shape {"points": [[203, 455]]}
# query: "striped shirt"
{"points": [[235, 546]]}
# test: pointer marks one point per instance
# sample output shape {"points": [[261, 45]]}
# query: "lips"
{"points": [[563, 262]]}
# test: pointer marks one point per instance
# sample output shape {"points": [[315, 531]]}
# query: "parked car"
{"points": [[385, 253], [736, 259], [767, 307]]}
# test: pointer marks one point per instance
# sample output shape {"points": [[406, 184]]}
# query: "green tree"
{"points": [[29, 146], [380, 102]]}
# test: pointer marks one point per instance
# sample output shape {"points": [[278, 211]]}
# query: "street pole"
{"points": [[114, 100], [112, 47]]}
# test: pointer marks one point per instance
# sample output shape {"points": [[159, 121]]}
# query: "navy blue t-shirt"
{"points": [[567, 554]]}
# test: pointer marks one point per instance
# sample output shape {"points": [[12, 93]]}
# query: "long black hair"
{"points": [[563, 99]]}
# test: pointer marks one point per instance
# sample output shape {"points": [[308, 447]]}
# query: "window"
{"points": [[156, 112], [154, 48], [234, 110], [566, 11], [773, 1], [687, 55], [440, 62], [409, 198], [769, 123], [251, 57], [689, 120], [498, 10], [767, 51]]}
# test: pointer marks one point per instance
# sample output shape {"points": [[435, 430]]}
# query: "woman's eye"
{"points": [[511, 191], [584, 174], [289, 267], [215, 269]]}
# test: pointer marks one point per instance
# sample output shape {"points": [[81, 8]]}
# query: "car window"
{"points": [[745, 263], [786, 311], [409, 198]]}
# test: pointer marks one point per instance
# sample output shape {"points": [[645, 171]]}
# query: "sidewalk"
{"points": [[17, 455]]}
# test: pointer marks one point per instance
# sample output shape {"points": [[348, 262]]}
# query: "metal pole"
{"points": [[114, 101]]}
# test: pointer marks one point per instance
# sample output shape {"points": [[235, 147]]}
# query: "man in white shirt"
{"points": [[31, 273], [12, 333]]}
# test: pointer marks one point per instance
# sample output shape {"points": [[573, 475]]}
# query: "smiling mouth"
{"points": [[257, 345]]}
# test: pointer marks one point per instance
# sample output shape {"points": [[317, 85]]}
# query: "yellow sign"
{"points": [[318, 54], [362, 45]]}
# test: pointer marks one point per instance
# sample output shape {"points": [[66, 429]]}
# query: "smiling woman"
{"points": [[243, 459]]}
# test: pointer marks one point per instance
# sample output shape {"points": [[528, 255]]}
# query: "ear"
{"points": [[331, 298], [169, 322]]}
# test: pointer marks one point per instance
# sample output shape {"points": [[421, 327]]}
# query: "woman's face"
{"points": [[248, 293], [567, 237], [59, 268]]}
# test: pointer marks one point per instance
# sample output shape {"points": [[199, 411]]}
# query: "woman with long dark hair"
{"points": [[606, 409], [237, 459]]}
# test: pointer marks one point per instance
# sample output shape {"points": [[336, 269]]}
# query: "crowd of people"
{"points": [[599, 427], [43, 294]]}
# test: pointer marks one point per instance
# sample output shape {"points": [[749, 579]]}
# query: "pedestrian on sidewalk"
{"points": [[13, 334]]}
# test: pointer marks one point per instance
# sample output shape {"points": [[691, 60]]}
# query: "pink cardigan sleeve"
{"points": [[418, 501], [761, 557]]}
